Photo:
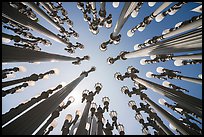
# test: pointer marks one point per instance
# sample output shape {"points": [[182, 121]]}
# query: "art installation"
{"points": [[58, 62]]}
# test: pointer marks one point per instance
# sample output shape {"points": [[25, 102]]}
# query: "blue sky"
{"points": [[104, 72]]}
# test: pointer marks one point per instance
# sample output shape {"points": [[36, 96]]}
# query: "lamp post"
{"points": [[13, 112], [172, 75], [153, 118], [176, 123], [14, 15], [33, 77], [52, 126], [147, 20], [189, 41], [124, 15], [119, 127], [184, 100], [89, 98], [55, 114], [20, 31], [99, 113], [166, 57], [69, 122], [15, 54], [174, 87], [6, 73], [25, 124], [170, 11]]}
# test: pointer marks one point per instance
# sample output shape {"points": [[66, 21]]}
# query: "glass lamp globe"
{"points": [[159, 17], [131, 103], [113, 114], [69, 117], [120, 128], [31, 83], [78, 112], [71, 99], [134, 13], [178, 24], [162, 101], [115, 4], [130, 33], [10, 75], [22, 69], [166, 83], [149, 74], [200, 76], [46, 76], [116, 75], [20, 90], [141, 29], [153, 56], [178, 62], [124, 88], [56, 71], [160, 69], [105, 100], [62, 104], [136, 47], [54, 123], [151, 4], [142, 62], [165, 31], [93, 106]]}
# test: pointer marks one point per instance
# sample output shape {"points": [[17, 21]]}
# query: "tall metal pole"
{"points": [[125, 13], [13, 14], [197, 56], [33, 6], [159, 47], [191, 103], [190, 79], [176, 123], [16, 54], [81, 128], [27, 123]]}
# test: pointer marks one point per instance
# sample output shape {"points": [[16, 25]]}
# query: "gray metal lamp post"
{"points": [[124, 15], [27, 123], [14, 15], [184, 100], [89, 98]]}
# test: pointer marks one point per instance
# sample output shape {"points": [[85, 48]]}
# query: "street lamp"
{"points": [[52, 126], [69, 121], [115, 4], [176, 88], [121, 129], [89, 96], [44, 109], [106, 102]]}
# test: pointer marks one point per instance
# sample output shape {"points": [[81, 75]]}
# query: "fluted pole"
{"points": [[186, 101], [190, 79], [81, 128], [125, 13], [16, 54], [27, 123], [13, 112], [159, 47], [37, 9], [13, 14], [176, 123], [196, 56]]}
